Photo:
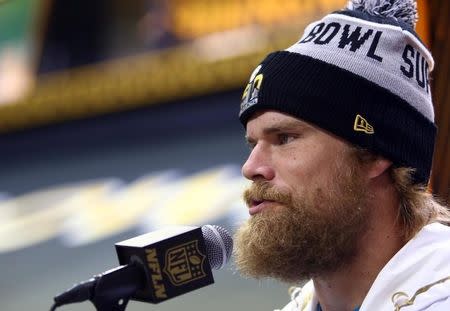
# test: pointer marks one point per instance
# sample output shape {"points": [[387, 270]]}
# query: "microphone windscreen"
{"points": [[219, 245]]}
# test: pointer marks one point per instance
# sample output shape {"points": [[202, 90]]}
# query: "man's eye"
{"points": [[285, 138], [251, 145]]}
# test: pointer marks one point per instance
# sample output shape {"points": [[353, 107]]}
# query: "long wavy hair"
{"points": [[418, 207]]}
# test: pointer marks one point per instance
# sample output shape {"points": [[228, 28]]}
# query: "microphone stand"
{"points": [[114, 288], [109, 291]]}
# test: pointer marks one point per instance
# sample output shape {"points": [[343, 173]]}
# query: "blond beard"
{"points": [[306, 236]]}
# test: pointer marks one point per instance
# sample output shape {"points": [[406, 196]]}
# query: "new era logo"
{"points": [[361, 125]]}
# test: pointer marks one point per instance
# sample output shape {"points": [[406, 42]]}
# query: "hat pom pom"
{"points": [[405, 10]]}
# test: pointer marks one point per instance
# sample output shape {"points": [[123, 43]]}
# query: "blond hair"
{"points": [[418, 206]]}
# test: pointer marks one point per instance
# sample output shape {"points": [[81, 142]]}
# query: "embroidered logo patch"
{"points": [[361, 125], [251, 92]]}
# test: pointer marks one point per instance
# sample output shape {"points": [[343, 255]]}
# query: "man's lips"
{"points": [[257, 206]]}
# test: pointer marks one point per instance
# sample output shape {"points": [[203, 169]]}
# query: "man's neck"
{"points": [[346, 288]]}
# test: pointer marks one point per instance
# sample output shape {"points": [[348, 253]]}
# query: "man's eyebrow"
{"points": [[285, 126]]}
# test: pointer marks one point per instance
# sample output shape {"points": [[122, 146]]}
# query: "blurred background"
{"points": [[120, 117]]}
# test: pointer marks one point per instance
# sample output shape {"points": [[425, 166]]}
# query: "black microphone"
{"points": [[155, 267]]}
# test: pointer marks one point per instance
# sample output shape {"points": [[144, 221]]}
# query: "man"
{"points": [[341, 130]]}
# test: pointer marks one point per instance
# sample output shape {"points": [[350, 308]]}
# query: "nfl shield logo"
{"points": [[184, 263]]}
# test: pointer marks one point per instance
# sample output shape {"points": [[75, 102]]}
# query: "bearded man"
{"points": [[341, 130]]}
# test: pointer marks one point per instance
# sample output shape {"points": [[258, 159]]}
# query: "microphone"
{"points": [[155, 267]]}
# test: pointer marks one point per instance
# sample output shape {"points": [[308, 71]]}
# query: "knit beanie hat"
{"points": [[361, 73]]}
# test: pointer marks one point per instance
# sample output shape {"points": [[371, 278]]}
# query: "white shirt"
{"points": [[417, 278]]}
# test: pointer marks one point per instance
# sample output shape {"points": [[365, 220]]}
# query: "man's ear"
{"points": [[378, 167]]}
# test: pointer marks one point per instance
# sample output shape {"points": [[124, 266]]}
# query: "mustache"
{"points": [[264, 191]]}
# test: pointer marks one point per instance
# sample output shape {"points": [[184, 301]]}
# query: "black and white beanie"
{"points": [[361, 73]]}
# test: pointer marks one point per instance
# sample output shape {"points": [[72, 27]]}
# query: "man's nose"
{"points": [[258, 165]]}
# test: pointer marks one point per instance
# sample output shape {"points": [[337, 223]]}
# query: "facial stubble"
{"points": [[309, 234]]}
